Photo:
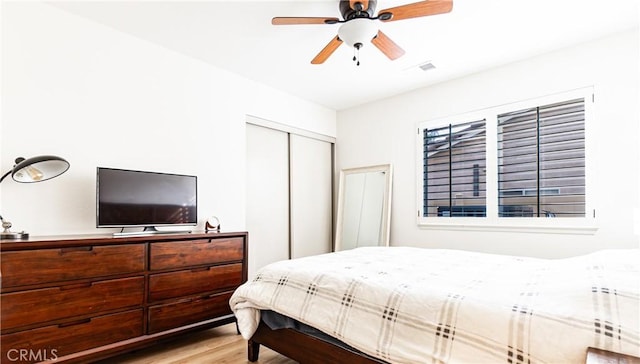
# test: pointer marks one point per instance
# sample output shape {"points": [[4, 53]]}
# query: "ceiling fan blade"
{"points": [[387, 46], [327, 51], [365, 4], [283, 20], [421, 8]]}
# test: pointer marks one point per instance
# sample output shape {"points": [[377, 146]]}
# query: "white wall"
{"points": [[97, 97], [385, 132]]}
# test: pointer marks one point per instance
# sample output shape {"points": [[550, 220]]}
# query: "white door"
{"points": [[311, 196], [267, 196]]}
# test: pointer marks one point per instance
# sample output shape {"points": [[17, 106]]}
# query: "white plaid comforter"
{"points": [[412, 305]]}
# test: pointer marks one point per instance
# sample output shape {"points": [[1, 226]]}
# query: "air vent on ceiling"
{"points": [[427, 66]]}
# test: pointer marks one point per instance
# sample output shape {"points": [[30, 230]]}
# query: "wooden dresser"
{"points": [[84, 298]]}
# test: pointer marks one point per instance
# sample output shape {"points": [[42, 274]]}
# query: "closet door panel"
{"points": [[311, 196], [267, 196]]}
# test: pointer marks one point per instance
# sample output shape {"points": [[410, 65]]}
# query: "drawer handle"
{"points": [[201, 299], [76, 249], [79, 322], [75, 286], [202, 269], [219, 241]]}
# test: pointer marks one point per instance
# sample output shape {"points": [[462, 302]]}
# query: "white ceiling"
{"points": [[474, 36]]}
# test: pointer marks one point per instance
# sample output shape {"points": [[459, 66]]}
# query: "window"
{"points": [[454, 170], [541, 161], [517, 163]]}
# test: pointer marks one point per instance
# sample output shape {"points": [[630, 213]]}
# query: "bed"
{"points": [[413, 305]]}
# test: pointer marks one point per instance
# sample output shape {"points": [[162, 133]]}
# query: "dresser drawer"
{"points": [[57, 265], [43, 305], [189, 282], [180, 254], [59, 340], [165, 317]]}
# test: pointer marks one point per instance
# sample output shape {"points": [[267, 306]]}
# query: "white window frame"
{"points": [[492, 222]]}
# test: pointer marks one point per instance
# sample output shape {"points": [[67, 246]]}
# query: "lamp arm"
{"points": [[5, 175], [2, 179]]}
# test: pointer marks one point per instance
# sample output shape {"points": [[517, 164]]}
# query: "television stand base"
{"points": [[150, 232]]}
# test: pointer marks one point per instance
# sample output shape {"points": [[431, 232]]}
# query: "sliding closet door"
{"points": [[267, 196], [311, 196]]}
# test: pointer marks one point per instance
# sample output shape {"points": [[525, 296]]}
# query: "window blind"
{"points": [[454, 181], [541, 161]]}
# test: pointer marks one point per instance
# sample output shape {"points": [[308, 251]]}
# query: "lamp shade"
{"points": [[38, 169], [357, 31]]}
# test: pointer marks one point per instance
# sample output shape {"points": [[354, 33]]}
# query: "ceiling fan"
{"points": [[358, 25]]}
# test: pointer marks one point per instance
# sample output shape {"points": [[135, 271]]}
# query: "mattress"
{"points": [[412, 305]]}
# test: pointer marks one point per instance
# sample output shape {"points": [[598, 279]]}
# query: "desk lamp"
{"points": [[36, 169]]}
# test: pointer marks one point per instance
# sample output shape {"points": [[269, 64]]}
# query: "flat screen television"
{"points": [[130, 198]]}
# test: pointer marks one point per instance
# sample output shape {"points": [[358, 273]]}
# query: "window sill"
{"points": [[539, 226]]}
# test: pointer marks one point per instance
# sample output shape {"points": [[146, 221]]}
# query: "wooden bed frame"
{"points": [[307, 349], [303, 348]]}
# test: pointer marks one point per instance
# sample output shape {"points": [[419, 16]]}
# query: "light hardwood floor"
{"points": [[221, 345]]}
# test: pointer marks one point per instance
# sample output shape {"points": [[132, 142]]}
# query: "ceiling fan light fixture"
{"points": [[357, 31]]}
